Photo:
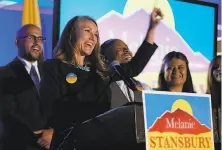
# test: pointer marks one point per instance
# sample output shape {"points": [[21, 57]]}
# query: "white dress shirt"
{"points": [[124, 87], [28, 66]]}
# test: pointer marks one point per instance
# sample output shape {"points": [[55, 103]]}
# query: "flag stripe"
{"points": [[30, 14]]}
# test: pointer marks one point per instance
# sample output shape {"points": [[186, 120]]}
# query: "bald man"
{"points": [[21, 106]]}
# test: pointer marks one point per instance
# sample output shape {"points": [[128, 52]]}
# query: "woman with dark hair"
{"points": [[214, 81], [74, 86], [214, 88], [175, 74]]}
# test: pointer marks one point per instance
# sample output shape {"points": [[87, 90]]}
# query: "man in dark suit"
{"points": [[21, 107], [116, 49], [1, 124]]}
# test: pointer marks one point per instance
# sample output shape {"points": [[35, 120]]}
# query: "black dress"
{"points": [[67, 102], [72, 103], [216, 114]]}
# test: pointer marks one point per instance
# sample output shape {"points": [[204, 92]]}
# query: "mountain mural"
{"points": [[132, 29], [179, 122]]}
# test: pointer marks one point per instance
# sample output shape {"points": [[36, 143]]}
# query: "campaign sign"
{"points": [[177, 121]]}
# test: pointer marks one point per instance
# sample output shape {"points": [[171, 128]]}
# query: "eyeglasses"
{"points": [[33, 38]]}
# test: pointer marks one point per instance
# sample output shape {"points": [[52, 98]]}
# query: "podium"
{"points": [[115, 127], [120, 128], [123, 125]]}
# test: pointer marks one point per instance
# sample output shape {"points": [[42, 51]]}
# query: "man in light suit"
{"points": [[21, 107]]}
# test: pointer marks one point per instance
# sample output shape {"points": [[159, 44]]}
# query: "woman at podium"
{"points": [[75, 85]]}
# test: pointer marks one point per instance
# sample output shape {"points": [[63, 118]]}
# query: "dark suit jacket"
{"points": [[1, 125], [118, 97], [21, 109]]}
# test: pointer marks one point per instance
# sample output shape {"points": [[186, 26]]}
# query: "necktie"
{"points": [[34, 77], [129, 93]]}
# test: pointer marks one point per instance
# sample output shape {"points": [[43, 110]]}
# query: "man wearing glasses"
{"points": [[21, 106]]}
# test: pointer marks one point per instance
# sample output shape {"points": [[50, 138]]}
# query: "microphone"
{"points": [[119, 71]]}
